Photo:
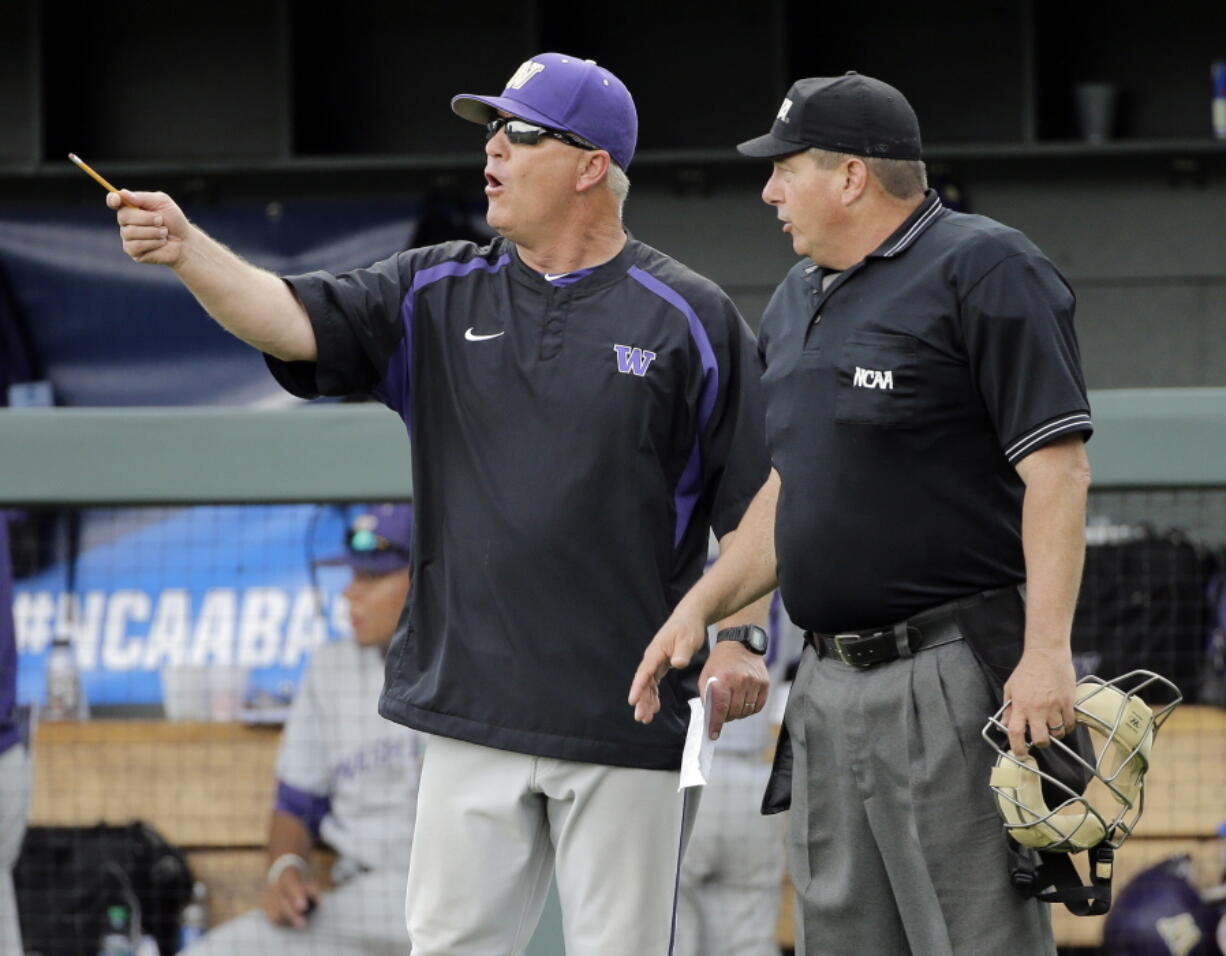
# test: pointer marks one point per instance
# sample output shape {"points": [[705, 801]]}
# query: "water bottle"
{"points": [[1217, 73], [148, 946], [65, 701], [194, 919], [117, 940]]}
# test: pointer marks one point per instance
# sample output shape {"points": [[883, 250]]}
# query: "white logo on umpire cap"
{"points": [[527, 70], [784, 110], [872, 378]]}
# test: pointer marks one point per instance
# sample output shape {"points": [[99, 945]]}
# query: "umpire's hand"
{"points": [[1039, 698], [743, 683], [289, 900], [742, 687]]}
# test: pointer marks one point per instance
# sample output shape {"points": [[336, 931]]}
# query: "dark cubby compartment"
{"points": [[152, 82]]}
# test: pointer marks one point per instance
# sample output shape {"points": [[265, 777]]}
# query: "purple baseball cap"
{"points": [[564, 93], [379, 540]]}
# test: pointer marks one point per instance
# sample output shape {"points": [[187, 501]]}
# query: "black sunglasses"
{"points": [[523, 133], [363, 540]]}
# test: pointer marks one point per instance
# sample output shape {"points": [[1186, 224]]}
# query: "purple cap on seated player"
{"points": [[564, 93], [379, 540]]}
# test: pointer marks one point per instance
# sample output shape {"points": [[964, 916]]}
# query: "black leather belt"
{"points": [[930, 628]]}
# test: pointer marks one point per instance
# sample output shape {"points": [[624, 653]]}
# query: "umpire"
{"points": [[583, 410], [926, 417]]}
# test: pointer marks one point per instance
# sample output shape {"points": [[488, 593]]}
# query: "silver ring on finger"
{"points": [[1055, 728]]}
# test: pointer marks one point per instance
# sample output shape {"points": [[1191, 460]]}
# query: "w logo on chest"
{"points": [[632, 360]]}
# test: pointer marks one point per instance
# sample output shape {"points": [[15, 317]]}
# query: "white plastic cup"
{"points": [[185, 692], [1096, 106], [227, 691]]}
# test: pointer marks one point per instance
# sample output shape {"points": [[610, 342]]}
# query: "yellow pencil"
{"points": [[89, 171]]}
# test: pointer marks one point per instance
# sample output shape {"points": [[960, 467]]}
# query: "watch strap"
{"points": [[750, 636]]}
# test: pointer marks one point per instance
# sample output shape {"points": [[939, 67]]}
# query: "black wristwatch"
{"points": [[751, 636]]}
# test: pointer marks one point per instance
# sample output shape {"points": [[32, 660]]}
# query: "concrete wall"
{"points": [[1145, 250]]}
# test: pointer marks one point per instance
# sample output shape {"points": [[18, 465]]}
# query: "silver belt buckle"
{"points": [[838, 647]]}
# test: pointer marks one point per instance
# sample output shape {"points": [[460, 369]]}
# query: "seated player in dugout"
{"points": [[345, 776]]}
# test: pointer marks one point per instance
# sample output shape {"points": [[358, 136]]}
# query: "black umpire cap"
{"points": [[851, 113]]}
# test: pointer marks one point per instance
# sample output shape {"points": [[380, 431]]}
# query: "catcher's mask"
{"points": [[1121, 728]]}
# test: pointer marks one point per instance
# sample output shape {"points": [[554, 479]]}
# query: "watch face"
{"points": [[748, 635]]}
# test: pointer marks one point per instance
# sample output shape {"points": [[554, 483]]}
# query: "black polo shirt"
{"points": [[574, 439], [900, 398]]}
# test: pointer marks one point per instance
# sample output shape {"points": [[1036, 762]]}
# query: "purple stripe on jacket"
{"points": [[396, 385], [689, 486]]}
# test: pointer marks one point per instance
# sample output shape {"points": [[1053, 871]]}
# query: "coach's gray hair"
{"points": [[619, 185], [901, 178]]}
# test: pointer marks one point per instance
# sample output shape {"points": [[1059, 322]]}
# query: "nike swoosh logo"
{"points": [[474, 337], [560, 275]]}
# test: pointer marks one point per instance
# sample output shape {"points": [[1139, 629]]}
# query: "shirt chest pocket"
{"points": [[876, 380]]}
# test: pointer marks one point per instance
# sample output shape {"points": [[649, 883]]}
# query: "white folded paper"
{"points": [[699, 747]]}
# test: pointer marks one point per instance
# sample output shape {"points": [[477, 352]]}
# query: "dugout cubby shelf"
{"points": [[311, 88], [20, 112], [153, 83]]}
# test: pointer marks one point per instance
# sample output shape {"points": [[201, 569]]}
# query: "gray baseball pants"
{"points": [[732, 877], [493, 826], [364, 916], [894, 845], [14, 805]]}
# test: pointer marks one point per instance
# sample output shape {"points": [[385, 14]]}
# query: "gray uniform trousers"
{"points": [[14, 803], [364, 916], [895, 846], [732, 874]]}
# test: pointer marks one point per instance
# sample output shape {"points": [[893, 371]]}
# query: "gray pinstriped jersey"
{"points": [[338, 754]]}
